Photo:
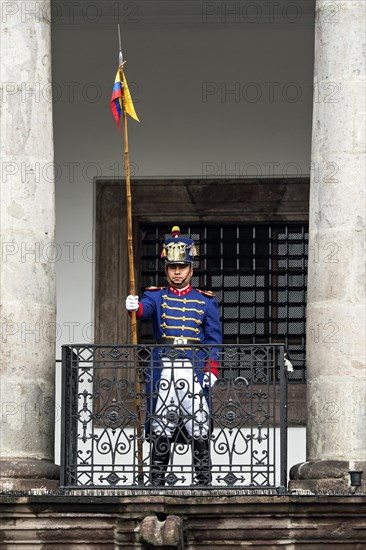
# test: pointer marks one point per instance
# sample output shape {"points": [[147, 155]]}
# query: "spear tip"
{"points": [[120, 46]]}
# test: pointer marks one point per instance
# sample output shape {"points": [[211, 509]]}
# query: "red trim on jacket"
{"points": [[138, 312], [180, 292], [212, 366]]}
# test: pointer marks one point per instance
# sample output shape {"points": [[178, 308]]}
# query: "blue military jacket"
{"points": [[190, 314]]}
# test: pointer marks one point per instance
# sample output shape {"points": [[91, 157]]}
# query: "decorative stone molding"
{"points": [[317, 476], [165, 535], [214, 521]]}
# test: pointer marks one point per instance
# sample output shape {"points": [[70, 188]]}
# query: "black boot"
{"points": [[159, 459], [201, 461]]}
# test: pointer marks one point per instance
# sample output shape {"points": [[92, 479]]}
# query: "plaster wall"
{"points": [[191, 125], [217, 96]]}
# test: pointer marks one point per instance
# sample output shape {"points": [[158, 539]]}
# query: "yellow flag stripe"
{"points": [[130, 109]]}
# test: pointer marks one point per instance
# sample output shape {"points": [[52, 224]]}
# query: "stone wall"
{"points": [[187, 522]]}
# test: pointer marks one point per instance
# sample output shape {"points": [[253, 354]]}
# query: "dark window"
{"points": [[258, 274]]}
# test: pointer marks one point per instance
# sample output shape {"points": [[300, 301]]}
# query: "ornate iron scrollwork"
{"points": [[215, 438]]}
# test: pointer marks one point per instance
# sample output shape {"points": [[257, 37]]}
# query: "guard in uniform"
{"points": [[178, 384]]}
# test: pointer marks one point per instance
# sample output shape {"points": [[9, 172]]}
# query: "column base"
{"points": [[326, 476], [22, 474]]}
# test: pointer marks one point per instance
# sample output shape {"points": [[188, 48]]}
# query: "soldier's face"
{"points": [[179, 275]]}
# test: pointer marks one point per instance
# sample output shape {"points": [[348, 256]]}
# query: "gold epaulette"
{"points": [[155, 287], [208, 293]]}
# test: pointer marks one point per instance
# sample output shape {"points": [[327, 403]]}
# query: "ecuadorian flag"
{"points": [[120, 90]]}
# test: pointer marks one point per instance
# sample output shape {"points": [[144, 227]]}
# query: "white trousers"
{"points": [[180, 395]]}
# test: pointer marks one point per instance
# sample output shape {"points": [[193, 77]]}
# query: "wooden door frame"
{"points": [[180, 201]]}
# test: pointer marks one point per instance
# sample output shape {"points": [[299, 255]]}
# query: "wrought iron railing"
{"points": [[137, 417]]}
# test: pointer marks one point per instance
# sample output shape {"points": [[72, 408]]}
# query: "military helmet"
{"points": [[177, 249]]}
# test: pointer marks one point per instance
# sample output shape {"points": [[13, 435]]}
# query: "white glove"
{"points": [[209, 379], [132, 303], [288, 365]]}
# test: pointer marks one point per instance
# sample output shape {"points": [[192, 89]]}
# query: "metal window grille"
{"points": [[258, 274]]}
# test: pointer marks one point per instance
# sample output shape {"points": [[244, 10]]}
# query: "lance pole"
{"points": [[131, 263]]}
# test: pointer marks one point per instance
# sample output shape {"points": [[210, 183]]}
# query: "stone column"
{"points": [[27, 223], [336, 426]]}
